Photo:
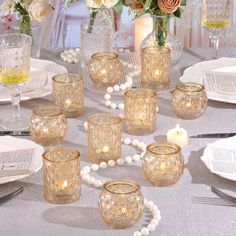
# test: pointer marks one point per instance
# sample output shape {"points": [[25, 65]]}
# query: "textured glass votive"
{"points": [[68, 94], [105, 69], [104, 137], [140, 111], [163, 163], [61, 175], [189, 100], [155, 71], [121, 203], [48, 125]]}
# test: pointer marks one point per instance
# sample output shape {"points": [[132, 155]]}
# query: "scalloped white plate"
{"points": [[195, 74], [227, 143], [12, 143], [36, 64]]}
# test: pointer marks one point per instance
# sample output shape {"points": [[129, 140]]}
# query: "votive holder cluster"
{"points": [[155, 67], [121, 203], [48, 125], [140, 111], [189, 100], [104, 137], [68, 94], [61, 175], [105, 69], [163, 163]]}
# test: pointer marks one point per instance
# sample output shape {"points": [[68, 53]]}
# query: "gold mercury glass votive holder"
{"points": [[105, 69], [163, 163], [68, 94], [189, 100], [155, 67], [48, 125], [121, 203], [61, 175], [104, 137], [140, 111]]}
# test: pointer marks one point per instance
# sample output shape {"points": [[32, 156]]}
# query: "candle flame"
{"points": [[45, 130], [65, 184], [177, 127], [68, 102], [103, 72], [105, 149], [163, 166]]}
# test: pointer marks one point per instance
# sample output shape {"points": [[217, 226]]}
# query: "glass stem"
{"points": [[15, 101], [214, 36]]}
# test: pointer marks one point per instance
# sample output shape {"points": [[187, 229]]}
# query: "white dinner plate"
{"points": [[196, 73], [49, 67], [226, 143], [12, 143]]}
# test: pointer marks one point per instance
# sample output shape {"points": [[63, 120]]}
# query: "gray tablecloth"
{"points": [[29, 214]]}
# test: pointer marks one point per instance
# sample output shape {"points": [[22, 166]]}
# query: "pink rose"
{"points": [[168, 6]]}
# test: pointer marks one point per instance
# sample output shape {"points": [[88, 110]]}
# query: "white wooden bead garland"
{"points": [[151, 227]]}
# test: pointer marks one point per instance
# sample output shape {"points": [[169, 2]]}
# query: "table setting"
{"points": [[102, 140]]}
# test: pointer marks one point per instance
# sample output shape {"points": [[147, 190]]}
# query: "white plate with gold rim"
{"points": [[40, 83], [197, 72]]}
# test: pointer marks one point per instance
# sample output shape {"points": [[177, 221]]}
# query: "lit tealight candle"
{"points": [[45, 131], [103, 72], [67, 103], [157, 72], [178, 136], [105, 149], [62, 185]]}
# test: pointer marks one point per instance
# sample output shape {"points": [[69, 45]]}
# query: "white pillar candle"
{"points": [[178, 136], [143, 27]]}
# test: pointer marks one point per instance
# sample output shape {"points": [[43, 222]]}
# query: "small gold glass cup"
{"points": [[155, 67], [48, 125], [104, 137], [140, 111], [163, 163], [61, 175], [68, 94], [189, 100], [105, 69], [121, 203]]}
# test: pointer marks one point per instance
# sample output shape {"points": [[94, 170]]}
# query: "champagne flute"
{"points": [[14, 72], [215, 16]]}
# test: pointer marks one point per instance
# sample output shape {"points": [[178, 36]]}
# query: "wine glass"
{"points": [[14, 72], [215, 16]]}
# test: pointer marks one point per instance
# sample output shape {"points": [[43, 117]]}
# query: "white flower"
{"points": [[39, 10], [7, 7], [94, 3], [109, 3]]}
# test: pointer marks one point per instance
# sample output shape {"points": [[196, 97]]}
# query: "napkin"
{"points": [[38, 79], [18, 156], [220, 157]]}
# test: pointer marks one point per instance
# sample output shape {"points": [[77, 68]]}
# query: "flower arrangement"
{"points": [[96, 6], [36, 10], [163, 8]]}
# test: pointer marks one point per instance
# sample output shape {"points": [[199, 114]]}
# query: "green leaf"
{"points": [[178, 12], [118, 8], [148, 3]]}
